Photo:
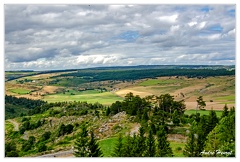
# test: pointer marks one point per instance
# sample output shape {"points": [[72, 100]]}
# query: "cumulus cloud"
{"points": [[78, 36]]}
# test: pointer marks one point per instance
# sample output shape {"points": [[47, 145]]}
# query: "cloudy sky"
{"points": [[44, 37]]}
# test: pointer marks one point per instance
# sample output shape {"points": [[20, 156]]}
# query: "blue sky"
{"points": [[44, 37]]}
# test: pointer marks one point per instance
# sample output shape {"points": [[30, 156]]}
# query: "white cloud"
{"points": [[192, 23], [76, 36], [202, 25], [170, 19]]}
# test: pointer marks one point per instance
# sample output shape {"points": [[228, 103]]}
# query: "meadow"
{"points": [[203, 112], [20, 91], [91, 96]]}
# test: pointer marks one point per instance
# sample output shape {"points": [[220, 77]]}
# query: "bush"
{"points": [[46, 136], [42, 147], [62, 130], [12, 154], [25, 119], [178, 148], [22, 130], [26, 146], [10, 146]]}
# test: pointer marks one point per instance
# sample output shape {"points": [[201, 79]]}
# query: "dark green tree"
{"points": [[176, 118], [12, 154], [212, 120], [150, 142], [11, 149], [86, 146], [200, 103], [190, 147], [140, 143], [145, 115], [108, 111], [32, 140], [165, 102], [163, 145], [46, 136], [232, 110], [94, 148], [225, 111], [81, 147], [222, 137], [26, 146], [42, 147], [128, 147]]}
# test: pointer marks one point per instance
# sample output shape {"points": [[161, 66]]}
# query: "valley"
{"points": [[65, 101]]}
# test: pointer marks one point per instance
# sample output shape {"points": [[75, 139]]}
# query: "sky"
{"points": [[47, 37]]}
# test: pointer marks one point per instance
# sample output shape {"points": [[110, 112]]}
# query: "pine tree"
{"points": [[200, 103], [95, 151], [201, 135], [225, 111], [108, 111], [232, 110], [150, 150], [212, 120], [163, 145], [212, 143], [145, 115], [176, 118], [222, 137], [85, 146], [118, 150], [128, 147], [190, 147], [81, 144], [140, 143]]}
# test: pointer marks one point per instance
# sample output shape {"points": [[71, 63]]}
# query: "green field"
{"points": [[229, 99], [174, 146], [203, 112], [107, 146], [91, 96], [152, 82], [20, 91]]}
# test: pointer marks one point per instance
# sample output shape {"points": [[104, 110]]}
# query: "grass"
{"points": [[8, 126], [152, 82], [174, 146], [203, 112], [107, 146], [20, 91], [91, 96], [230, 98]]}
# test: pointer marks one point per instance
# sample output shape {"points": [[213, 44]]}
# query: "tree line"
{"points": [[129, 75]]}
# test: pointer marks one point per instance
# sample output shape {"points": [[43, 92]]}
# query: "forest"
{"points": [[99, 75]]}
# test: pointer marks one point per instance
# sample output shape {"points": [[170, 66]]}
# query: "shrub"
{"points": [[46, 136], [42, 147], [178, 148], [12, 154]]}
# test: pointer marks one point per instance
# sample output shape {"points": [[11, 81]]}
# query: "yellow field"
{"points": [[216, 91], [220, 90]]}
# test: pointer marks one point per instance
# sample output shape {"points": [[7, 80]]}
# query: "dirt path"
{"points": [[68, 153], [15, 124]]}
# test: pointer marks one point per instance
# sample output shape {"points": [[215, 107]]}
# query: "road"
{"points": [[68, 153]]}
